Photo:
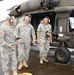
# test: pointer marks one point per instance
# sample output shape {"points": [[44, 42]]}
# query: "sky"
{"points": [[6, 4]]}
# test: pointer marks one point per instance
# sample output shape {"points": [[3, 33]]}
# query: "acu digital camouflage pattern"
{"points": [[6, 39], [24, 33], [44, 43]]}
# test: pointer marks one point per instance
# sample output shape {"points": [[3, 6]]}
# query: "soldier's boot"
{"points": [[20, 66], [6, 73], [25, 64], [15, 72], [44, 59], [41, 61]]}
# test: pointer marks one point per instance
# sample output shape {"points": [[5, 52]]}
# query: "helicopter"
{"points": [[61, 14]]}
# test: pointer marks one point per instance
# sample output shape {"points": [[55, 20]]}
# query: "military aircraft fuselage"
{"points": [[60, 12]]}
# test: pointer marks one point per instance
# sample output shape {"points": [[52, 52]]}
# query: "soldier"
{"points": [[43, 37], [7, 45], [41, 21], [24, 32]]}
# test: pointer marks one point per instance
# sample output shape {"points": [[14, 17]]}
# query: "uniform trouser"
{"points": [[44, 48], [23, 51], [8, 56]]}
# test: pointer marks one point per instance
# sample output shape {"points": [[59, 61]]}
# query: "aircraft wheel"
{"points": [[62, 55]]}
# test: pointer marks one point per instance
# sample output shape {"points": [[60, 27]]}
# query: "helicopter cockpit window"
{"points": [[71, 24]]}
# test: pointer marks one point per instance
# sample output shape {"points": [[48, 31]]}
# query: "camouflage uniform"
{"points": [[6, 39], [44, 43], [24, 32]]}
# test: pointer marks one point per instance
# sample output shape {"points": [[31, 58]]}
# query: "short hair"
{"points": [[47, 17], [27, 15]]}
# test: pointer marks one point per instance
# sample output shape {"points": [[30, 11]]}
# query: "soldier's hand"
{"points": [[51, 41], [19, 41], [11, 46], [33, 43], [38, 41]]}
